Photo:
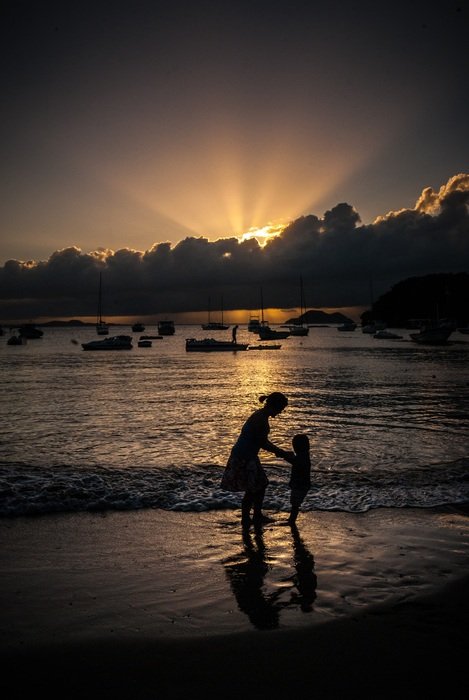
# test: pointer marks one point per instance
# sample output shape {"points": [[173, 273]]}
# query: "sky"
{"points": [[152, 140]]}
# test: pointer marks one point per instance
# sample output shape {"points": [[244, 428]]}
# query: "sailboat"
{"points": [[101, 326], [298, 327], [435, 332], [265, 331], [215, 325]]}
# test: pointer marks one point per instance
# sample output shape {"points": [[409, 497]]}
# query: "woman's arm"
{"points": [[258, 425]]}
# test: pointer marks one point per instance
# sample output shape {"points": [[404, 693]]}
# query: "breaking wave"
{"points": [[27, 490]]}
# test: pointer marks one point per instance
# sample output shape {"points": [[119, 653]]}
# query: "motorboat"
{"points": [[151, 337], [254, 324], [373, 328], [16, 340], [296, 329], [212, 345], [386, 335], [138, 328], [265, 332], [214, 326], [144, 343], [432, 335], [115, 342], [166, 327], [349, 326], [28, 330]]}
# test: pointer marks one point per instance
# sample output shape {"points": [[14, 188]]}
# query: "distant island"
{"points": [[318, 317], [73, 322]]}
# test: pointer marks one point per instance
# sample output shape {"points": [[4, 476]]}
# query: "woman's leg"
{"points": [[246, 504], [258, 500]]}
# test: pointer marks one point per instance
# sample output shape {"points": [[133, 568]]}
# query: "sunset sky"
{"points": [[128, 125]]}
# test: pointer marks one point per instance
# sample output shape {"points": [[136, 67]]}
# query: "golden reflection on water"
{"points": [[363, 403]]}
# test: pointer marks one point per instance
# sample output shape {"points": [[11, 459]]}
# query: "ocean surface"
{"points": [[388, 421]]}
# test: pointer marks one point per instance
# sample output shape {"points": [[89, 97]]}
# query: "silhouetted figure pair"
{"points": [[244, 471], [246, 573]]}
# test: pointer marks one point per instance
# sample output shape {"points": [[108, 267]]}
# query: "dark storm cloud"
{"points": [[336, 255]]}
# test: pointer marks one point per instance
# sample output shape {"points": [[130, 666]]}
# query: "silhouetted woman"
{"points": [[244, 471]]}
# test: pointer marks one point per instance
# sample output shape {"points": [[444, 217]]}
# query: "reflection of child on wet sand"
{"points": [[300, 478]]}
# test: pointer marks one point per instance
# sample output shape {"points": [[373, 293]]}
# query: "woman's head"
{"points": [[274, 403]]}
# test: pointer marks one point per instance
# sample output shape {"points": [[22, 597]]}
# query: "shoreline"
{"points": [[161, 604]]}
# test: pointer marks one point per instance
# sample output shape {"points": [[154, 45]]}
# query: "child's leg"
{"points": [[297, 497], [293, 514]]}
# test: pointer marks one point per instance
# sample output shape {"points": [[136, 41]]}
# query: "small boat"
{"points": [[115, 342], [166, 327], [28, 330], [101, 326], [254, 324], [386, 335], [347, 326], [432, 335], [265, 332], [144, 343], [16, 340], [151, 337], [264, 347], [295, 329], [373, 328], [214, 325], [212, 345], [298, 327], [138, 328]]}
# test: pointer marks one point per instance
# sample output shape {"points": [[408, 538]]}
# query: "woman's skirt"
{"points": [[244, 475]]}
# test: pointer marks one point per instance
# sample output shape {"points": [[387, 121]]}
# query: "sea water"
{"points": [[153, 427]]}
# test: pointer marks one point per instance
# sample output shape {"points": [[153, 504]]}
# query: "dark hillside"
{"points": [[438, 296]]}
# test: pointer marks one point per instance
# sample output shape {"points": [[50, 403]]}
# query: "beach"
{"points": [[162, 604]]}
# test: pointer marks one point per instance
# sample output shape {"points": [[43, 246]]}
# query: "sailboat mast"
{"points": [[302, 300], [99, 300]]}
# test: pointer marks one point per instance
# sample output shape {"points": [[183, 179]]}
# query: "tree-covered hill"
{"points": [[435, 297]]}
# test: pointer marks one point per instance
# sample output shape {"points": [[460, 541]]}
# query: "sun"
{"points": [[263, 233]]}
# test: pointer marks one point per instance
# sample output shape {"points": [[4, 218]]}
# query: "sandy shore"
{"points": [[156, 604]]}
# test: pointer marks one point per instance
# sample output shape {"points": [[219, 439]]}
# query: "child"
{"points": [[300, 478]]}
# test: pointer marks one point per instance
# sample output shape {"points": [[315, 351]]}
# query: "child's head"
{"points": [[300, 443]]}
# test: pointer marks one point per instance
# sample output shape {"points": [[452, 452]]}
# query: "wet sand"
{"points": [[155, 604]]}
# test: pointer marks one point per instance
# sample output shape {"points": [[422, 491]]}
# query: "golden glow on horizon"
{"points": [[231, 316]]}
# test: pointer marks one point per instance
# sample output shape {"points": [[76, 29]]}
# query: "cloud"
{"points": [[336, 255], [431, 202]]}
